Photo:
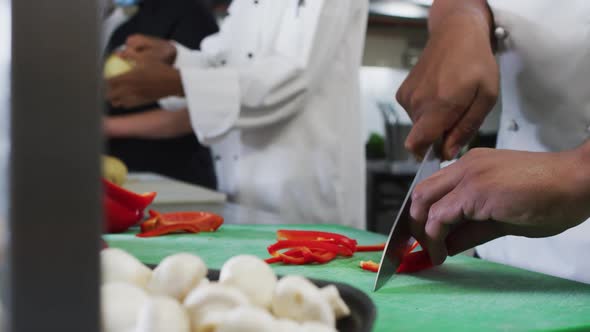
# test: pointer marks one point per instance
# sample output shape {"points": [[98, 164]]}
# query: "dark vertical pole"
{"points": [[55, 192], [5, 33]]}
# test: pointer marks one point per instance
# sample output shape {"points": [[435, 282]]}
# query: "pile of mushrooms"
{"points": [[178, 297]]}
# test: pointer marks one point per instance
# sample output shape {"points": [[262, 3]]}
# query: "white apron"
{"points": [[545, 80], [276, 94]]}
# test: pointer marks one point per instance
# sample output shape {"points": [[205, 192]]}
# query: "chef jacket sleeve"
{"points": [[271, 87]]}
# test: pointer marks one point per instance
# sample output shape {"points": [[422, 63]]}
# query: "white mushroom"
{"points": [[252, 276], [121, 303], [298, 299], [316, 327], [177, 275], [332, 295], [208, 300], [287, 325], [161, 313], [247, 319], [119, 266]]}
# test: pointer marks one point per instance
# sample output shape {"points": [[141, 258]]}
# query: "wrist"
{"points": [[174, 83], [172, 53], [581, 161], [476, 13]]}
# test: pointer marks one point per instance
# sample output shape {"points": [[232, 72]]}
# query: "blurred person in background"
{"points": [[277, 92], [157, 136]]}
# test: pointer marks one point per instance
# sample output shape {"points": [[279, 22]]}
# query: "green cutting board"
{"points": [[465, 294]]}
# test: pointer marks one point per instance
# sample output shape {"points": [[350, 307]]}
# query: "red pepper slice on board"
{"points": [[206, 221], [169, 229], [287, 234], [128, 198], [119, 217], [370, 266], [311, 244], [201, 221], [412, 263], [376, 247], [277, 258], [149, 224], [321, 256], [415, 262], [297, 257]]}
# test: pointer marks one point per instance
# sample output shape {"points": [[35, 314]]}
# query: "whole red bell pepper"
{"points": [[119, 217], [122, 207], [128, 198]]}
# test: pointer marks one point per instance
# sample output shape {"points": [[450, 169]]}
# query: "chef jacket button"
{"points": [[513, 126], [223, 62], [236, 158], [500, 33], [217, 157], [255, 2], [250, 55]]}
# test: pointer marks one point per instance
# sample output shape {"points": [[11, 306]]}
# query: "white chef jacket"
{"points": [[276, 92], [545, 79]]}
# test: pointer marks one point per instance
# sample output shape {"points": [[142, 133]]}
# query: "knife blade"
{"points": [[399, 240]]}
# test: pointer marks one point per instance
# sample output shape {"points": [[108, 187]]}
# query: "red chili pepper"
{"points": [[414, 262], [370, 266], [285, 234], [376, 247], [311, 244], [119, 217], [169, 229], [128, 198]]}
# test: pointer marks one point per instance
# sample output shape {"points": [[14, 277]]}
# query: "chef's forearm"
{"points": [[172, 84], [584, 172], [156, 124], [477, 10]]}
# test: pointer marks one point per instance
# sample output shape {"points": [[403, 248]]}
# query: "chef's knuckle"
{"points": [[400, 96], [419, 193]]}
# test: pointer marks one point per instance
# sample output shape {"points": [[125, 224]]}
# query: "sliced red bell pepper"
{"points": [[169, 229], [128, 198], [414, 246], [273, 260], [311, 244], [370, 266], [415, 262], [149, 224], [201, 221], [376, 247], [299, 256], [278, 258], [119, 217], [287, 234], [321, 256], [205, 221]]}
